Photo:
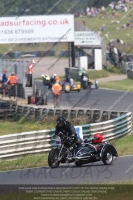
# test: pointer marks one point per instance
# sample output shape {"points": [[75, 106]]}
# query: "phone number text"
{"points": [[18, 31]]}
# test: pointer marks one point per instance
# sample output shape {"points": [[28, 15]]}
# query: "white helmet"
{"points": [[54, 75], [42, 75], [33, 61]]}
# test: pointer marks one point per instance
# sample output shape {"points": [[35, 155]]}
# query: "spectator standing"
{"points": [[10, 53], [56, 88], [103, 27], [115, 55], [30, 73], [4, 80], [12, 79], [87, 10]]}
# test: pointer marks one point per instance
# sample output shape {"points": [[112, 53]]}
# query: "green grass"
{"points": [[110, 71], [26, 125], [8, 127], [96, 22], [123, 145], [125, 85], [98, 74], [27, 161], [34, 47]]}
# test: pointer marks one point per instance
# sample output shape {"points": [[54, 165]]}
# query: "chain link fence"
{"points": [[19, 67]]}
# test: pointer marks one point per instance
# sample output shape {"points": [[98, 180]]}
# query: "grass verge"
{"points": [[125, 85], [35, 47], [94, 74], [10, 127], [98, 74], [123, 145], [26, 125], [28, 161]]}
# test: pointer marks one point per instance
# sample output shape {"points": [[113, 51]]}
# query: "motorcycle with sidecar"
{"points": [[88, 152], [67, 87]]}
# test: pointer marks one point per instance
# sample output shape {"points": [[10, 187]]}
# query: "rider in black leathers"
{"points": [[67, 81], [68, 130], [81, 78]]}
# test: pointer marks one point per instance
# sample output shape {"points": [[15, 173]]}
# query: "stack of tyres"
{"points": [[39, 101], [4, 105], [20, 90], [31, 99]]}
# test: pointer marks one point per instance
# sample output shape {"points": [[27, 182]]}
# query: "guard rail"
{"points": [[41, 141]]}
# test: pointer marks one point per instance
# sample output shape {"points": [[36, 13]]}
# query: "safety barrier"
{"points": [[40, 112], [92, 114], [26, 143]]}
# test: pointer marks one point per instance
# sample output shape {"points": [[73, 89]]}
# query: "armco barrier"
{"points": [[41, 141]]}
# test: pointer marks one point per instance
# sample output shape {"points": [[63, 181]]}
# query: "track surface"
{"points": [[120, 170], [103, 99]]}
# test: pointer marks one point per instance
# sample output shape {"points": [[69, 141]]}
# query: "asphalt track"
{"points": [[102, 99], [120, 170]]}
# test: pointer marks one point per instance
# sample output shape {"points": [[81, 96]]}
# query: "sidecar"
{"points": [[93, 152], [75, 87]]}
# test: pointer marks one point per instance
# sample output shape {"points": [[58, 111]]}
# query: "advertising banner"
{"points": [[85, 38], [34, 29]]}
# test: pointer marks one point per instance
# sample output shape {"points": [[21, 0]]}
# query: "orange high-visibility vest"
{"points": [[57, 78], [56, 88], [30, 68], [13, 80]]}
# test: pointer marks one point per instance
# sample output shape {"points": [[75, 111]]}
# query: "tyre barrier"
{"points": [[36, 112], [34, 53], [93, 115], [26, 143]]}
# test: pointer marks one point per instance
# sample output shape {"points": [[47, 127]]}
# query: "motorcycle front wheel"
{"points": [[53, 158]]}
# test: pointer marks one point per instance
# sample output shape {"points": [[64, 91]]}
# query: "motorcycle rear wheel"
{"points": [[52, 158], [107, 157]]}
